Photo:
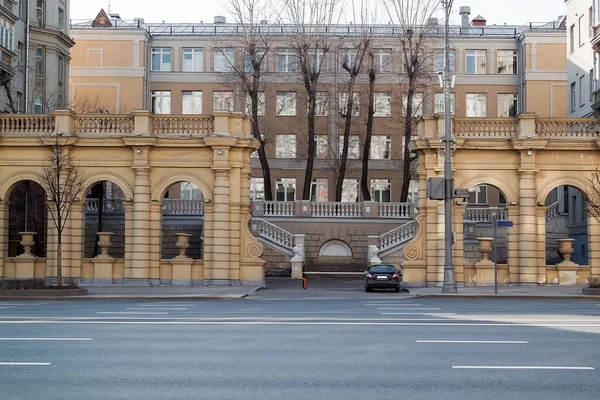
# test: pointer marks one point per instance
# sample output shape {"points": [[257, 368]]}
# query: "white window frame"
{"points": [[261, 104], [317, 60], [319, 186], [248, 68], [161, 102], [480, 59], [505, 100], [285, 184], [508, 62], [417, 104], [413, 192], [285, 103], [223, 59], [439, 61], [222, 100], [382, 104], [343, 102], [353, 146], [381, 147], [162, 53], [286, 60], [196, 59], [321, 147], [378, 188], [479, 196], [191, 102], [347, 55], [383, 60], [189, 191], [472, 110], [322, 104], [257, 189], [285, 146], [440, 103], [582, 94], [350, 191], [573, 96]]}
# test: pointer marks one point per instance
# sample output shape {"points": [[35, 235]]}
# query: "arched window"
{"points": [[39, 62]]}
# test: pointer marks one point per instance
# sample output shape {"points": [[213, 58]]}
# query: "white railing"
{"points": [[336, 210], [552, 211], [183, 207], [484, 214], [274, 234], [397, 236], [396, 210], [279, 208], [109, 206]]}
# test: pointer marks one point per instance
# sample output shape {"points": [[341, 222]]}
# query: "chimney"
{"points": [[465, 11], [479, 21], [219, 19]]}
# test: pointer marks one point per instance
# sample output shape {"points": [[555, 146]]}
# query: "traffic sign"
{"points": [[504, 224]]}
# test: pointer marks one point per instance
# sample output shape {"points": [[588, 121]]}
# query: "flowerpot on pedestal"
{"points": [[567, 269], [25, 263], [485, 267], [103, 262]]}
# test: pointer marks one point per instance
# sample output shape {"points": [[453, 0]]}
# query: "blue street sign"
{"points": [[504, 224]]}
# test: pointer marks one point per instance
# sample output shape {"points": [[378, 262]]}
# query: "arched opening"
{"points": [[105, 212], [566, 218], [485, 203], [183, 212], [27, 212], [335, 248]]}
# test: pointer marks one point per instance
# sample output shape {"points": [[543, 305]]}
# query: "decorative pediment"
{"points": [[102, 20]]}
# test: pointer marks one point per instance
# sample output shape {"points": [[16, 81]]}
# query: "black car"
{"points": [[382, 277]]}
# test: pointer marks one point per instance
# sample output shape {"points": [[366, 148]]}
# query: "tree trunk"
{"points": [[100, 215], [264, 163], [364, 180], [59, 262], [408, 125], [310, 157], [339, 187], [9, 97]]}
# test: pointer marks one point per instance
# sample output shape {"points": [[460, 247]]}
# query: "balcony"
{"points": [[6, 60], [595, 97], [309, 209], [7, 8]]}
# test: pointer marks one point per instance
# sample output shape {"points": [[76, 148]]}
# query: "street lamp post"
{"points": [[449, 285]]}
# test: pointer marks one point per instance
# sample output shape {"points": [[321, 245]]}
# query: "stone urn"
{"points": [[566, 249], [27, 242], [183, 243], [485, 247], [104, 243]]}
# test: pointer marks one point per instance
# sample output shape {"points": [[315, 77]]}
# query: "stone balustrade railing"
{"points": [[109, 206], [552, 211], [485, 214], [104, 123], [185, 125], [396, 237], [27, 123], [183, 207], [486, 127], [275, 235], [567, 127], [308, 209]]}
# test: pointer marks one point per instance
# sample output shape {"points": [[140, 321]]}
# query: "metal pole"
{"points": [[449, 280], [495, 255]]}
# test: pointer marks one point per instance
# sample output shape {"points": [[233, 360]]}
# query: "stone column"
{"points": [[140, 258], [128, 237], [208, 241], [3, 234], [594, 246], [235, 216], [512, 245], [528, 272], [540, 253], [458, 248], [432, 242], [155, 239], [221, 236], [77, 237]]}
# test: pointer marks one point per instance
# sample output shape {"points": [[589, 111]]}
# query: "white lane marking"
{"points": [[418, 313], [476, 341], [25, 363], [156, 308], [519, 367], [48, 339], [6, 307], [166, 303], [132, 312], [507, 325], [409, 308]]}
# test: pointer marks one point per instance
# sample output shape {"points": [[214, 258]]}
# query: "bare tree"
{"points": [[413, 17], [65, 184], [592, 193], [311, 40]]}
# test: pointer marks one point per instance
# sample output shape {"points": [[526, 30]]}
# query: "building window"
{"points": [[193, 60], [572, 38], [348, 58], [591, 83], [508, 105], [37, 106], [41, 13], [257, 189], [285, 146], [161, 59], [60, 72], [20, 102], [61, 19], [381, 147], [260, 59], [383, 105], [223, 101], [353, 146], [476, 62], [501, 199], [286, 60], [413, 192], [350, 191], [507, 61], [286, 189], [286, 104], [317, 60], [440, 103], [573, 96], [580, 33], [439, 61], [591, 22], [322, 104], [479, 195], [476, 105], [582, 93], [161, 102], [189, 191], [224, 59], [191, 102], [321, 147], [40, 70], [381, 190], [319, 190], [417, 104], [344, 103], [261, 104], [383, 60]]}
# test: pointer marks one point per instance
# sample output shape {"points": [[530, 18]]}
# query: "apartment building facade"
{"points": [[34, 63], [501, 71]]}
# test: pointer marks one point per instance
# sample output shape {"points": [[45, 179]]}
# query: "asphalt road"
{"points": [[384, 346]]}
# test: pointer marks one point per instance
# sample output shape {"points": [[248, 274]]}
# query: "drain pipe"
{"points": [[26, 71], [522, 105]]}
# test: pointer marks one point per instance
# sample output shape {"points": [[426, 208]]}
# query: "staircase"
{"points": [[395, 240]]}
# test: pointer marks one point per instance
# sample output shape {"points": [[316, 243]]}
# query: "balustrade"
{"points": [[485, 214], [279, 208], [23, 123], [336, 210], [397, 236], [183, 207], [109, 206], [276, 235], [568, 128], [103, 123], [182, 125], [486, 127], [396, 210]]}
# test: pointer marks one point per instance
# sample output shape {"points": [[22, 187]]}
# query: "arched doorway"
{"points": [[566, 218], [485, 203], [183, 212], [105, 212], [27, 213]]}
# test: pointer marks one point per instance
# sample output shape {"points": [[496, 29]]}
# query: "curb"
{"points": [[507, 296]]}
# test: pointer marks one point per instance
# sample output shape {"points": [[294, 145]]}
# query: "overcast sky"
{"points": [[512, 12]]}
